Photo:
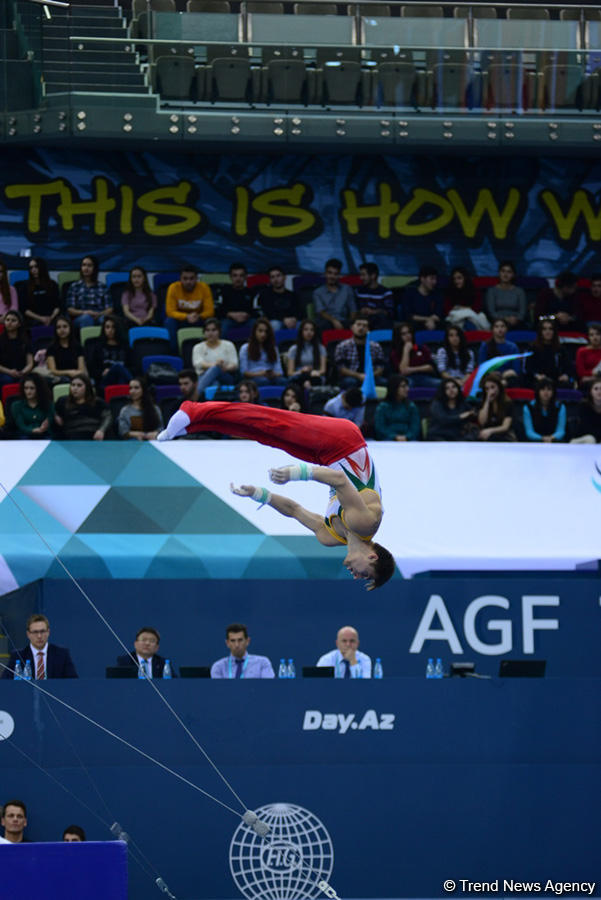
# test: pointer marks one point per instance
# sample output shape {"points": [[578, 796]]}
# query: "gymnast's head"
{"points": [[370, 562]]}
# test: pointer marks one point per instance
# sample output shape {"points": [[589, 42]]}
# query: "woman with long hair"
{"points": [[16, 358], [397, 417], [81, 415], [88, 300], [33, 412], [109, 355], [307, 359], [138, 301], [293, 398], [454, 359], [544, 417], [259, 358], [140, 419], [588, 427], [214, 359], [548, 359], [8, 294], [411, 360], [248, 392], [40, 297], [449, 412], [495, 413], [505, 300], [498, 345], [65, 357], [462, 303]]}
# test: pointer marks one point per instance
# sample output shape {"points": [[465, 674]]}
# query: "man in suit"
{"points": [[145, 653], [47, 660]]}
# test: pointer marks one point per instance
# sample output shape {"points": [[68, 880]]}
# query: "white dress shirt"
{"points": [[361, 669]]}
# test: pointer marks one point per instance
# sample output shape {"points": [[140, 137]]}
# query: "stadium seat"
{"points": [[162, 359], [270, 391], [206, 6], [288, 81], [478, 11], [335, 334], [114, 277], [427, 336], [455, 86], [520, 393], [369, 9], [343, 83], [189, 334], [509, 86], [424, 11], [574, 14], [59, 390], [147, 332], [396, 84], [272, 7], [382, 335], [286, 336], [88, 332], [175, 77], [167, 391], [40, 333], [233, 79], [568, 87], [18, 275], [115, 390], [528, 12], [315, 9], [9, 390]]}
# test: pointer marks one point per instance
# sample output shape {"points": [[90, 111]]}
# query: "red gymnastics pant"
{"points": [[316, 439]]}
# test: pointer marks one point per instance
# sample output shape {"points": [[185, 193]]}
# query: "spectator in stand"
{"points": [[64, 356], [498, 345], [588, 303], [455, 359], [110, 355], [39, 298], [2, 421], [138, 301], [422, 302], [81, 415], [334, 302], [293, 398], [373, 299], [277, 303], [189, 302], [307, 360], [33, 412], [87, 299], [397, 417], [505, 300], [544, 417], [588, 359], [350, 355], [414, 362], [259, 358], [14, 820], [215, 360], [495, 413], [450, 415], [74, 834], [188, 385], [8, 294], [347, 405], [548, 359], [248, 392], [588, 427], [237, 305], [16, 358], [560, 301], [462, 304], [140, 419]]}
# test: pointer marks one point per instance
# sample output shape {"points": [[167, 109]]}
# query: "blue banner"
{"points": [[159, 209]]}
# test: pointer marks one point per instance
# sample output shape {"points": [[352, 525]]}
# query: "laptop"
{"points": [[522, 668], [318, 671], [195, 671], [121, 672]]}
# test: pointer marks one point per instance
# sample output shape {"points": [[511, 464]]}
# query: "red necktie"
{"points": [[39, 672]]}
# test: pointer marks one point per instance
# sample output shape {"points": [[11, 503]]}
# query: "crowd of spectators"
{"points": [[258, 339]]}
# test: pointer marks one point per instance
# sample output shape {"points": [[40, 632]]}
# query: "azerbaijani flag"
{"points": [[368, 388], [472, 385]]}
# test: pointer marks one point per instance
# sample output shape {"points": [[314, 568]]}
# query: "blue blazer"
{"points": [[58, 662]]}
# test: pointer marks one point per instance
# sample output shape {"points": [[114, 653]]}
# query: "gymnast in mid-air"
{"points": [[334, 453]]}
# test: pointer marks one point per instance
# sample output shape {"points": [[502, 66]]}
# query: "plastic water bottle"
{"points": [[27, 675], [18, 676], [283, 669], [378, 670], [438, 669], [142, 669], [430, 673], [290, 669], [167, 669]]}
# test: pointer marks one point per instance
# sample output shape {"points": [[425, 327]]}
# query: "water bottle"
{"points": [[283, 669], [430, 669], [290, 669], [27, 671], [18, 676], [167, 669], [378, 670], [142, 669], [438, 670]]}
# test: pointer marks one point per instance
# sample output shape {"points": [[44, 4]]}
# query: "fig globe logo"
{"points": [[597, 477], [296, 854]]}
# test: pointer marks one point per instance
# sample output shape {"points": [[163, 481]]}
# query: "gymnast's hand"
{"points": [[245, 490], [280, 476]]}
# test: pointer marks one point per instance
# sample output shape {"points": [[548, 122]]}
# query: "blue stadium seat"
{"points": [[147, 332]]}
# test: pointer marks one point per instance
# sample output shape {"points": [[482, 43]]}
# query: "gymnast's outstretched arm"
{"points": [[289, 508]]}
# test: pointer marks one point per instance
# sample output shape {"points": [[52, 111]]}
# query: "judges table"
{"points": [[413, 781]]}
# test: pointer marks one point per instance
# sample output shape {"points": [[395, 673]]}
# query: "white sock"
{"points": [[176, 426]]}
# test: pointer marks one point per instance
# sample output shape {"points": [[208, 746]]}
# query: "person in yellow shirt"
{"points": [[189, 302]]}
